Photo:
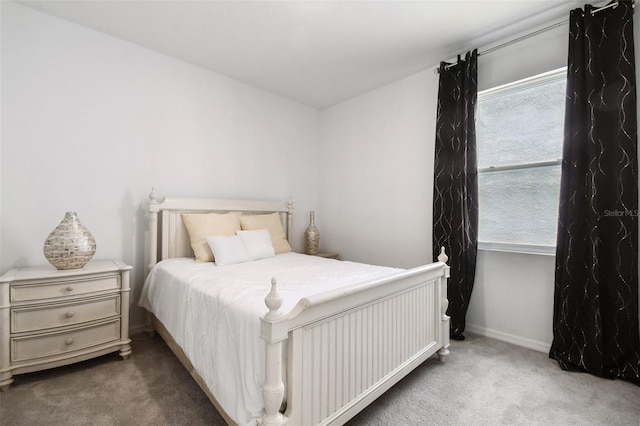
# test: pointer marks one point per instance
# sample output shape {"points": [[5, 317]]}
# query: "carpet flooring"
{"points": [[484, 382]]}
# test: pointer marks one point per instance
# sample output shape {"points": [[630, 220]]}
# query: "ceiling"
{"points": [[318, 53]]}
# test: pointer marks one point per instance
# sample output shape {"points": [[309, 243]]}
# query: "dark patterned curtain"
{"points": [[595, 321], [455, 188]]}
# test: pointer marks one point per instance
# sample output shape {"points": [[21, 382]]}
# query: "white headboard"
{"points": [[168, 237]]}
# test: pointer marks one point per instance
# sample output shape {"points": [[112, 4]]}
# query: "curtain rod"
{"points": [[534, 33], [545, 29]]}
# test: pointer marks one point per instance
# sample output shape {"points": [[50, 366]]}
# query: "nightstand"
{"points": [[51, 317], [328, 255]]}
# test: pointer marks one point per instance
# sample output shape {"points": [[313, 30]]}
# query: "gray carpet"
{"points": [[485, 382]]}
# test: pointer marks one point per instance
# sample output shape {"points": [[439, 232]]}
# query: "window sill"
{"points": [[518, 248]]}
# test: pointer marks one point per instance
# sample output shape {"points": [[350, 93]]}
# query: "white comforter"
{"points": [[213, 313]]}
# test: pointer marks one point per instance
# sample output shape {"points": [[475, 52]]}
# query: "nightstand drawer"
{"points": [[57, 289], [47, 345], [43, 317]]}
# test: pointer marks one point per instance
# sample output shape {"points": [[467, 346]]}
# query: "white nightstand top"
{"points": [[49, 271]]}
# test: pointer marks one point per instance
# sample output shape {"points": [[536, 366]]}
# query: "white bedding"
{"points": [[213, 313]]}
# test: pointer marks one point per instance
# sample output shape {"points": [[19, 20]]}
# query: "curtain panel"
{"points": [[455, 192], [595, 321]]}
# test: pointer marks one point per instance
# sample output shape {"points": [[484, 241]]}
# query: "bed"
{"points": [[316, 340]]}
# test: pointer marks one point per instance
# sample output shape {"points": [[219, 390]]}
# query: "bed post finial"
{"points": [[273, 302], [153, 198], [442, 257]]}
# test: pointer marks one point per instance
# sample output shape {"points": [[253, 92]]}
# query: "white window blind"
{"points": [[519, 140]]}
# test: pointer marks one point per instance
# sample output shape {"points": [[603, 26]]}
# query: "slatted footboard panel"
{"points": [[349, 356]]}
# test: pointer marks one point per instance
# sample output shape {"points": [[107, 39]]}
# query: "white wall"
{"points": [[377, 181], [91, 123], [512, 298]]}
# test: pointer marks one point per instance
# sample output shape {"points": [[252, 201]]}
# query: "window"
{"points": [[519, 139]]}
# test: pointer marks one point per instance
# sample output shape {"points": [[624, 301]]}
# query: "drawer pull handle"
{"points": [[69, 288], [68, 341], [69, 314]]}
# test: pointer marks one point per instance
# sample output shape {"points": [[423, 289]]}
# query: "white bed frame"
{"points": [[345, 347]]}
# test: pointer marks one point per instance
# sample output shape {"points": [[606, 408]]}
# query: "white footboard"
{"points": [[346, 347]]}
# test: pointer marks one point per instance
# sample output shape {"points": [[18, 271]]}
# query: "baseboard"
{"points": [[510, 338], [141, 328]]}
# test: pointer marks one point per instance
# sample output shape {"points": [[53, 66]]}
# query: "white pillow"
{"points": [[228, 250], [258, 243]]}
